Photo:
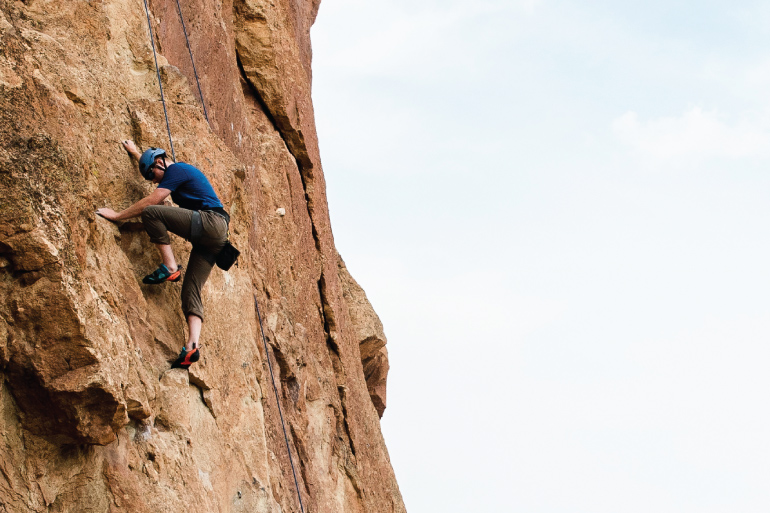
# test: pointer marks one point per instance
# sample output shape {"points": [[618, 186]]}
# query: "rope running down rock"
{"points": [[256, 305], [157, 70], [195, 72], [278, 402]]}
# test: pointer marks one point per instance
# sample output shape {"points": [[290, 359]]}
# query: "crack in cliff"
{"points": [[286, 375], [330, 328], [302, 456], [258, 96], [303, 167], [342, 391]]}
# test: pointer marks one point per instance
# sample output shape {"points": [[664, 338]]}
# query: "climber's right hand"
{"points": [[131, 148]]}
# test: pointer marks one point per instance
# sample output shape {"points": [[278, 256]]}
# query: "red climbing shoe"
{"points": [[186, 358]]}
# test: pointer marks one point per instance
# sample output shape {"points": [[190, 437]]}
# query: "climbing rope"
{"points": [[256, 305], [195, 72], [277, 400], [157, 70]]}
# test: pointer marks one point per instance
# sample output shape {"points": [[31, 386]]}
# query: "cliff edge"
{"points": [[91, 416]]}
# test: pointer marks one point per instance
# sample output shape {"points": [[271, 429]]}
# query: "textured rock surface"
{"points": [[91, 417]]}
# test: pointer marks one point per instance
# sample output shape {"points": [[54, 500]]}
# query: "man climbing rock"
{"points": [[199, 218]]}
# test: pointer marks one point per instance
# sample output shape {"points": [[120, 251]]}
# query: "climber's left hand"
{"points": [[108, 214]]}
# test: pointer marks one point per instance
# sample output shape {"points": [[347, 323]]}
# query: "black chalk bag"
{"points": [[228, 256]]}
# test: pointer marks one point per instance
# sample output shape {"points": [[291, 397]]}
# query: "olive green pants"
{"points": [[159, 220]]}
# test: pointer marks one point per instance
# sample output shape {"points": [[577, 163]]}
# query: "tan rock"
{"points": [[92, 418], [368, 330]]}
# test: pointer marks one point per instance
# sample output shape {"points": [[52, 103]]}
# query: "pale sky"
{"points": [[561, 212]]}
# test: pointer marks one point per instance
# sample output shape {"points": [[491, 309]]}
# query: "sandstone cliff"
{"points": [[91, 417]]}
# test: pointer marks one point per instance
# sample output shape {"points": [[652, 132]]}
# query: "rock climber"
{"points": [[200, 218]]}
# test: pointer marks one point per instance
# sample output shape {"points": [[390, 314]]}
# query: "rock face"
{"points": [[91, 417]]}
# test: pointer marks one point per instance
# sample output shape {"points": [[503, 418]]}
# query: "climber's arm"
{"points": [[156, 198], [131, 148]]}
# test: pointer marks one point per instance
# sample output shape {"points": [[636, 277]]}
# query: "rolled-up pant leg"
{"points": [[198, 270]]}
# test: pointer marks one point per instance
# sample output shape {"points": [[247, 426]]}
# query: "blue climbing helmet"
{"points": [[148, 159]]}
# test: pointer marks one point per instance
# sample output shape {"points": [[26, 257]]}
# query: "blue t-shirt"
{"points": [[189, 187]]}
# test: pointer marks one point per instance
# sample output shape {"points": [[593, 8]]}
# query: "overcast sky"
{"points": [[561, 212]]}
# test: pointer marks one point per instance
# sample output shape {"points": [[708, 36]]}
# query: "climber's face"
{"points": [[158, 168]]}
